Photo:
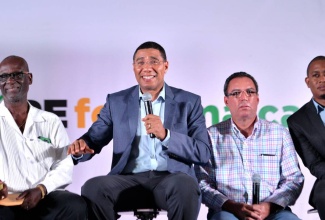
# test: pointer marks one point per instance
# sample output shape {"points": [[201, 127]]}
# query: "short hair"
{"points": [[315, 59], [153, 45], [238, 75]]}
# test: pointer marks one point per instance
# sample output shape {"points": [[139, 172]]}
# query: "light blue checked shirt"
{"points": [[268, 151]]}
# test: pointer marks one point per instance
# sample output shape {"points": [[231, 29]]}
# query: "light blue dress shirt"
{"points": [[148, 153]]}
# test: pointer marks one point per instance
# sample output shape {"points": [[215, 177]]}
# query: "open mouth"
{"points": [[148, 78]]}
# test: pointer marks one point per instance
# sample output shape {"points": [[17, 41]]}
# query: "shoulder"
{"points": [[41, 114], [44, 118], [122, 94], [272, 127], [298, 115], [180, 94]]}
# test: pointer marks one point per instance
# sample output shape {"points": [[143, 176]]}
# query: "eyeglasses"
{"points": [[238, 93], [15, 75], [141, 63]]}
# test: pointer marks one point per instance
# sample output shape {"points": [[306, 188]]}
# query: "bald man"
{"points": [[33, 154]]}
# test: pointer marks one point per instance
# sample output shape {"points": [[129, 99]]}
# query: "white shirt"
{"points": [[26, 160]]}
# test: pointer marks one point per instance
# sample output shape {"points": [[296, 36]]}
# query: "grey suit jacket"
{"points": [[188, 144], [308, 134]]}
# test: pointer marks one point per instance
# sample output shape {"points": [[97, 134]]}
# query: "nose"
{"points": [[322, 78], [241, 96]]}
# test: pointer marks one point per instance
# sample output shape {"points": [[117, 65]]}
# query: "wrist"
{"points": [[42, 189]]}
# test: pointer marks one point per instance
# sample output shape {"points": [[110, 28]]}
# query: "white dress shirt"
{"points": [[26, 160]]}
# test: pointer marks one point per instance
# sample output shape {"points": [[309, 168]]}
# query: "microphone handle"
{"points": [[148, 107], [256, 193]]}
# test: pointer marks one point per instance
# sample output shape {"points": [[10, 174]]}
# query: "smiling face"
{"points": [[316, 80], [150, 68], [15, 90], [243, 107]]}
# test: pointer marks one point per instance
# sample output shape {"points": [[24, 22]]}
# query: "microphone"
{"points": [[256, 188], [148, 106]]}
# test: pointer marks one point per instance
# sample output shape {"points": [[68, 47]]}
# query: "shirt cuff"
{"points": [[77, 158], [165, 142]]}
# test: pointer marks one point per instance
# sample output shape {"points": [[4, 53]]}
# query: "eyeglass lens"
{"points": [[16, 76]]}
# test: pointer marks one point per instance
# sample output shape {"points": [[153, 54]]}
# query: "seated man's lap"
{"points": [[281, 215], [56, 203]]}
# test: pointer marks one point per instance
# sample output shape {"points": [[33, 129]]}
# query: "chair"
{"points": [[139, 201]]}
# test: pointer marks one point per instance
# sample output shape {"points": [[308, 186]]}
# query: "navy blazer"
{"points": [[118, 119], [308, 134]]}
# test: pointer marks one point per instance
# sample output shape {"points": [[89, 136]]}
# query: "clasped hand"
{"points": [[248, 212], [3, 190], [31, 196]]}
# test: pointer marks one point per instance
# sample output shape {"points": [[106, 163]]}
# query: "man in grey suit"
{"points": [[308, 132], [162, 165]]}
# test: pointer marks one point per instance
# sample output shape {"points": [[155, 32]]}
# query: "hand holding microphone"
{"points": [[148, 106], [256, 188], [153, 122]]}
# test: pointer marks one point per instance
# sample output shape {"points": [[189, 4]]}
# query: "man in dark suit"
{"points": [[308, 132], [162, 165]]}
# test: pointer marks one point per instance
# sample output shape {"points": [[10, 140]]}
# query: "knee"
{"points": [[91, 187], [184, 185], [67, 204], [77, 202], [319, 193]]}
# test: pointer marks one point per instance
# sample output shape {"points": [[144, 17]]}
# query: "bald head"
{"points": [[14, 61]]}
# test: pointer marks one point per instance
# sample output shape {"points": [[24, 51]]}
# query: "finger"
{"points": [[254, 215], [25, 206], [89, 150], [22, 195], [77, 146], [71, 149]]}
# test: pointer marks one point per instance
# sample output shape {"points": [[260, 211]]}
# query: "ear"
{"points": [[225, 100], [166, 66], [307, 81], [30, 78]]}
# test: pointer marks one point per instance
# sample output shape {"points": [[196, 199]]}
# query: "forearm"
{"points": [[59, 176]]}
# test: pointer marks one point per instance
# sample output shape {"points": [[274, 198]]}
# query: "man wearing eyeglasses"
{"points": [[33, 154], [161, 165], [253, 172], [307, 129]]}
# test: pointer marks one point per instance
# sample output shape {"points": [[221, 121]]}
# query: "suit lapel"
{"points": [[314, 117], [170, 107], [133, 111]]}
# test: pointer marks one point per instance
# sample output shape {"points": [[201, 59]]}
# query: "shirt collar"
{"points": [[319, 108], [161, 95], [256, 125]]}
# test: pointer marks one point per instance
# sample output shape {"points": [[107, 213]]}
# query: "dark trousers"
{"points": [[317, 197], [177, 193], [58, 205]]}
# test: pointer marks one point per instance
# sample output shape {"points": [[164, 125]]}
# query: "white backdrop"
{"points": [[83, 49]]}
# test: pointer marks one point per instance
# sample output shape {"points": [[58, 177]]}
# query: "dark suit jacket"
{"points": [[118, 119], [308, 134]]}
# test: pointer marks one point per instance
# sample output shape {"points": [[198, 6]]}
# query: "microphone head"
{"points": [[256, 178], [146, 97]]}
